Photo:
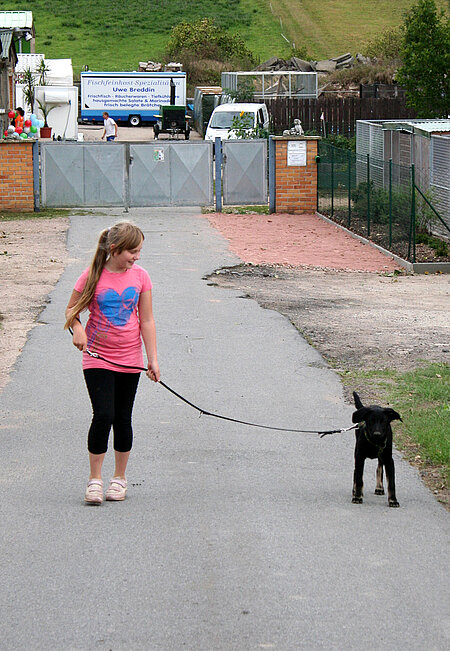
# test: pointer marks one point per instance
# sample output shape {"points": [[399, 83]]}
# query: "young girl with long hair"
{"points": [[118, 294]]}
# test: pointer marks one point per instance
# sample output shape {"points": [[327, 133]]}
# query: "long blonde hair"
{"points": [[123, 236]]}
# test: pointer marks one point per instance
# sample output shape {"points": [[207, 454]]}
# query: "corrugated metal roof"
{"points": [[16, 19], [432, 126], [426, 126], [5, 41]]}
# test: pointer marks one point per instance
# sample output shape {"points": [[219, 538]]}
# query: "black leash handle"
{"points": [[213, 415]]}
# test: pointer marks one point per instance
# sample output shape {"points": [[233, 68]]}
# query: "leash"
{"points": [[203, 412]]}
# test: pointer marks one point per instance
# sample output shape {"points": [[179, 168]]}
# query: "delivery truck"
{"points": [[129, 97]]}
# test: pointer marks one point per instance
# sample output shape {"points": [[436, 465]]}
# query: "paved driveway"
{"points": [[231, 538]]}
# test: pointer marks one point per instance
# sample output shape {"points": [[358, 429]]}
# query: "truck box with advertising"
{"points": [[129, 97]]}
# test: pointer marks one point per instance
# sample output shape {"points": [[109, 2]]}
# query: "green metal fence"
{"points": [[371, 197], [374, 198]]}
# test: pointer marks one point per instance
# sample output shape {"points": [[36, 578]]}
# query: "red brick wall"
{"points": [[16, 176], [296, 186]]}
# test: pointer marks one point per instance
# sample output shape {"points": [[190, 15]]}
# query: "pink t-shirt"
{"points": [[113, 328]]}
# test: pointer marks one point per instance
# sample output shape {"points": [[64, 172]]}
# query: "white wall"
{"points": [[64, 117]]}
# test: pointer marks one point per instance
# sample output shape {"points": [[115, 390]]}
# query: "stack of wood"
{"points": [[274, 64], [173, 67], [153, 66], [150, 66]]}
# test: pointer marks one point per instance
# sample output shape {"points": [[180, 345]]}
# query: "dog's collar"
{"points": [[363, 426]]}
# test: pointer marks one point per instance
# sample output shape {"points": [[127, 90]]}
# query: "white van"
{"points": [[221, 119]]}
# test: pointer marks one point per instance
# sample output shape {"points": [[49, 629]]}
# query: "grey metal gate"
{"points": [[160, 173], [82, 174], [244, 172], [167, 173]]}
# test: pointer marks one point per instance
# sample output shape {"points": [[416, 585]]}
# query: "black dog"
{"points": [[374, 440]]}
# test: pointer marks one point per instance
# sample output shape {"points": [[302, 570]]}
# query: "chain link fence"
{"points": [[374, 198]]}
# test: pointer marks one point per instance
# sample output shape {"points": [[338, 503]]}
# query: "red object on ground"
{"points": [[298, 241]]}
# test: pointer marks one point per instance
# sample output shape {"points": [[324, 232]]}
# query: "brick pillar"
{"points": [[16, 176], [296, 174]]}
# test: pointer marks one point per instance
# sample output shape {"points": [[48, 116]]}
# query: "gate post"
{"points": [[126, 189], [296, 162], [272, 177], [36, 184], [218, 154]]}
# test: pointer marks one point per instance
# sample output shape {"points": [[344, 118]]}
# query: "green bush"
{"points": [[387, 45], [341, 142], [203, 39], [435, 243], [379, 204], [242, 126]]}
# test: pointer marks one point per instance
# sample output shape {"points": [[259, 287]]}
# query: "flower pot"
{"points": [[46, 132]]}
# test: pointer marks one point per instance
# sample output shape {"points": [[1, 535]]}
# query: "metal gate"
{"points": [[171, 174], [244, 172], [82, 174], [126, 174]]}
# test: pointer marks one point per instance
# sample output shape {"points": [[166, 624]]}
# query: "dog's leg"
{"points": [[358, 480], [379, 488], [390, 477]]}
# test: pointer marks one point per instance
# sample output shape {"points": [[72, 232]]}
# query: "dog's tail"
{"points": [[357, 399]]}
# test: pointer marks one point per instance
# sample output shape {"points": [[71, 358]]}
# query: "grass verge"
{"points": [[421, 397], [239, 210], [47, 213]]}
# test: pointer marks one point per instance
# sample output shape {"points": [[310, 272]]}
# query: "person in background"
{"points": [[18, 120], [110, 130]]}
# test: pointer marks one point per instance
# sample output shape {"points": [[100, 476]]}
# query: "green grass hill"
{"points": [[116, 35]]}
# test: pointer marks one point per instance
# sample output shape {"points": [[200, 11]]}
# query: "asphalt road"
{"points": [[231, 538]]}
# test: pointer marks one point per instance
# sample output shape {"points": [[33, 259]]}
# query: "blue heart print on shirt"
{"points": [[118, 308]]}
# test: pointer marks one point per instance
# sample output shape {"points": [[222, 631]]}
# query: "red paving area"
{"points": [[298, 241]]}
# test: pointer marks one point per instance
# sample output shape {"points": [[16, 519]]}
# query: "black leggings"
{"points": [[112, 396]]}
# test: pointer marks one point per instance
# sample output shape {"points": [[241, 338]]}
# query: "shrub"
{"points": [[341, 142], [203, 39], [435, 243], [242, 126], [377, 73], [379, 204], [387, 46]]}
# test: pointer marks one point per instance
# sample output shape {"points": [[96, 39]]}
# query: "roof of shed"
{"points": [[425, 126], [16, 19]]}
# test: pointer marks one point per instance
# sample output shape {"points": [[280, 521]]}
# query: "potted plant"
{"points": [[45, 131], [32, 78]]}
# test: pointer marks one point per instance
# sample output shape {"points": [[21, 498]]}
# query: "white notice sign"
{"points": [[296, 152]]}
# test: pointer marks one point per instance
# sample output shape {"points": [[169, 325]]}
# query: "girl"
{"points": [[18, 120], [118, 294]]}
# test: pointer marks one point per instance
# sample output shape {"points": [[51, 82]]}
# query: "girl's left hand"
{"points": [[153, 371]]}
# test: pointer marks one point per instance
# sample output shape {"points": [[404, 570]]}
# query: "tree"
{"points": [[425, 54]]}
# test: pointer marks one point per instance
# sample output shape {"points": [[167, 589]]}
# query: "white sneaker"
{"points": [[94, 491], [117, 489]]}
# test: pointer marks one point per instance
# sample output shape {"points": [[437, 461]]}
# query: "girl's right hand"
{"points": [[153, 371]]}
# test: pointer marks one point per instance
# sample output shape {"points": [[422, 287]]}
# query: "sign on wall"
{"points": [[296, 153]]}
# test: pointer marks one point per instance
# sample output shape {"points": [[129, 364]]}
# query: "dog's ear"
{"points": [[357, 399], [360, 414], [392, 415]]}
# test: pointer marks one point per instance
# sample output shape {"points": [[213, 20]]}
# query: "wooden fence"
{"points": [[340, 114]]}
